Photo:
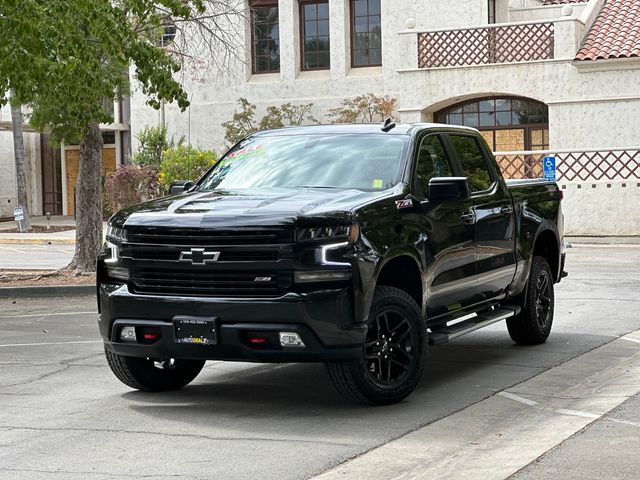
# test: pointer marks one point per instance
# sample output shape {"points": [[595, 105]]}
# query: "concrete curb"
{"points": [[47, 291], [38, 241], [582, 240]]}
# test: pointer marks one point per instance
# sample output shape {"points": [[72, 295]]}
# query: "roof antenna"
{"points": [[388, 125]]}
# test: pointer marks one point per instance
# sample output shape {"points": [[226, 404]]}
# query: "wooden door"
{"points": [[51, 177], [73, 164]]}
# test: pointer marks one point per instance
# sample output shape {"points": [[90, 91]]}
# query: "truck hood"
{"points": [[264, 207]]}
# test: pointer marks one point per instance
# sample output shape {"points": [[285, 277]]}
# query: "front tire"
{"points": [[151, 375], [393, 355], [533, 325]]}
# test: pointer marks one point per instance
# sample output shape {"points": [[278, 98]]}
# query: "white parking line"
{"points": [[47, 314], [518, 398], [630, 339], [47, 343], [575, 413]]}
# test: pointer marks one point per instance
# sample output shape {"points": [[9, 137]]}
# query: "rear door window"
{"points": [[473, 163]]}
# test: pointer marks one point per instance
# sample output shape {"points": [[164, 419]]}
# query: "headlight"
{"points": [[116, 234], [347, 232]]}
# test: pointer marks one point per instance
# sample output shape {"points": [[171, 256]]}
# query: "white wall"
{"points": [[214, 96], [8, 189], [587, 109], [601, 208]]}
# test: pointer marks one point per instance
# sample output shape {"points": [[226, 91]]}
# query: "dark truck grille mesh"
{"points": [[205, 282], [156, 269]]}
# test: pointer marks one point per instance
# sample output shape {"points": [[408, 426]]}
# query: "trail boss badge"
{"points": [[406, 203]]}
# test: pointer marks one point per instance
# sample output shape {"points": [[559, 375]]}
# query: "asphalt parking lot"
{"points": [[35, 257], [485, 408]]}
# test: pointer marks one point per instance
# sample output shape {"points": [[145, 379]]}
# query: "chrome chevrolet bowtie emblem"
{"points": [[199, 256]]}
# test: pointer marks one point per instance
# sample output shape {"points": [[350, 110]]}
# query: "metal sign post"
{"points": [[549, 168], [18, 215]]}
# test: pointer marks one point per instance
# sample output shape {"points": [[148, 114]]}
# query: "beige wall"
{"points": [[8, 190], [587, 109]]}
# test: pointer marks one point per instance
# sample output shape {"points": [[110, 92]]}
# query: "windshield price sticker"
{"points": [[549, 168]]}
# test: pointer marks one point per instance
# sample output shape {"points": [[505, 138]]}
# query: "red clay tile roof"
{"points": [[615, 33], [560, 2]]}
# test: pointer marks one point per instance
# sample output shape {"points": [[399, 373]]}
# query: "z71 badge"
{"points": [[406, 203]]}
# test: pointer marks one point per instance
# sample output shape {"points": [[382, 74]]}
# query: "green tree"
{"points": [[64, 58]]}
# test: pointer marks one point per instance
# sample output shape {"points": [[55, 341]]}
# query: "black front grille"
{"points": [[172, 254], [209, 236], [206, 282], [223, 269]]}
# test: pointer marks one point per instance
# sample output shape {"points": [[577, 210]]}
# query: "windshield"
{"points": [[364, 162]]}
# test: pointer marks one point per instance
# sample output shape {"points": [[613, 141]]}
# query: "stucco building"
{"points": [[537, 77], [52, 170]]}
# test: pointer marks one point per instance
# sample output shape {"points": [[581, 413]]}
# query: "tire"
{"points": [[533, 325], [388, 371], [153, 376]]}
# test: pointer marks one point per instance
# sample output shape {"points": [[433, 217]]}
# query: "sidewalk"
{"points": [[67, 237], [54, 238]]}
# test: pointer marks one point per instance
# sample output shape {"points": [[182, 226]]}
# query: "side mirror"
{"points": [[443, 189], [180, 186]]}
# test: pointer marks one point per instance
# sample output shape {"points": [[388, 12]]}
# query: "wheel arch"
{"points": [[547, 245], [403, 271]]}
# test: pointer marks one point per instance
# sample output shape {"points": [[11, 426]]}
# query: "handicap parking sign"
{"points": [[549, 168]]}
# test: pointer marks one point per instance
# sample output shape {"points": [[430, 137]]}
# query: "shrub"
{"points": [[244, 123], [366, 108], [287, 114], [128, 185], [153, 143], [184, 163]]}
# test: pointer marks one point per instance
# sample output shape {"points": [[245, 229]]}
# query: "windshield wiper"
{"points": [[313, 186]]}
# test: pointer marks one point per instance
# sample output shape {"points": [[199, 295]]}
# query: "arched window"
{"points": [[508, 123]]}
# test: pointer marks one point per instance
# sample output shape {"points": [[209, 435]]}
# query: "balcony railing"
{"points": [[507, 43], [573, 165]]}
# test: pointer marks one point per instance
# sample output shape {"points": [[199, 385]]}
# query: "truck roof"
{"points": [[362, 128]]}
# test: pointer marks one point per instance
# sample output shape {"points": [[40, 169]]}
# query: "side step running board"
{"points": [[446, 334]]}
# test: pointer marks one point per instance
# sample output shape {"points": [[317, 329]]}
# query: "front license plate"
{"points": [[195, 330]]}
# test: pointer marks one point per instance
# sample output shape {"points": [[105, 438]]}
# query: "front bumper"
{"points": [[323, 319]]}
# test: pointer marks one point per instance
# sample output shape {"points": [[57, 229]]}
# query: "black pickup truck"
{"points": [[353, 245]]}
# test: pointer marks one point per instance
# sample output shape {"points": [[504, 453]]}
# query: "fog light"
{"points": [[119, 273], [128, 334], [291, 339]]}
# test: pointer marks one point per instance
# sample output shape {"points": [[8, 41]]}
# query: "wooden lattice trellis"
{"points": [[574, 166], [478, 46]]}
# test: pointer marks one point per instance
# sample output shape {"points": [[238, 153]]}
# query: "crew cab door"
{"points": [[494, 217], [447, 232]]}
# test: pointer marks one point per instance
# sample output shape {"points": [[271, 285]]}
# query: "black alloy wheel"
{"points": [[544, 292], [393, 354], [533, 324], [389, 352]]}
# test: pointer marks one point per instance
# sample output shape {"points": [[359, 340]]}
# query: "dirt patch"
{"points": [[22, 278], [41, 229]]}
